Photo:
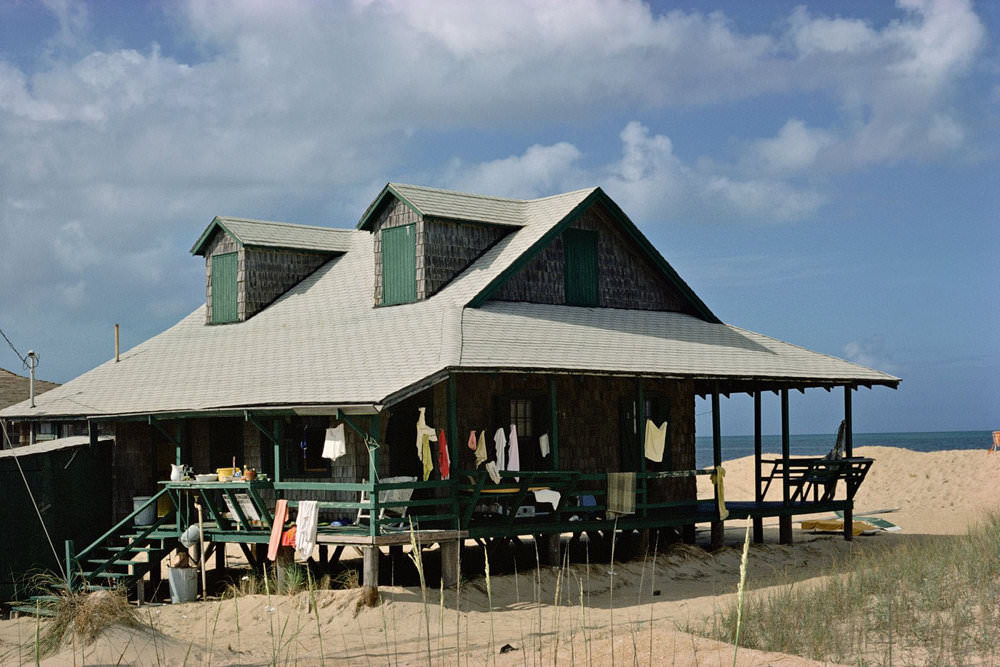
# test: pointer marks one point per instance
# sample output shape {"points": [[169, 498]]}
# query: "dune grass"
{"points": [[933, 601]]}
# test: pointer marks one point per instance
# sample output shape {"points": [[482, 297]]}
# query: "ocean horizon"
{"points": [[818, 444]]}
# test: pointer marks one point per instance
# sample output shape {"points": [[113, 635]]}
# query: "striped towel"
{"points": [[621, 493]]}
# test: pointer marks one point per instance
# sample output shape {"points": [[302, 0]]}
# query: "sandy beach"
{"points": [[640, 619]]}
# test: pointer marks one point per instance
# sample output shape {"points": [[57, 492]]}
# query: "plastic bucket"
{"points": [[146, 516], [183, 583]]}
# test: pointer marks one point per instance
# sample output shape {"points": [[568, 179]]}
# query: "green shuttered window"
{"points": [[224, 302], [580, 247], [399, 265]]}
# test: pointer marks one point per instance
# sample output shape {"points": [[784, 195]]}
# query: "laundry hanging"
{"points": [[621, 493], [543, 444], [335, 443], [481, 454], [656, 438], [491, 470], [513, 454], [306, 522], [425, 436], [472, 441], [444, 458], [500, 444], [717, 477]]}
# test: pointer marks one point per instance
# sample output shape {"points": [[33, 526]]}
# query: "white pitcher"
{"points": [[177, 472]]}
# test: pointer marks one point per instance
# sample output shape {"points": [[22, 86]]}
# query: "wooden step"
{"points": [[105, 575], [101, 561]]}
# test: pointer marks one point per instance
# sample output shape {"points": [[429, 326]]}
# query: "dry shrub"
{"points": [[86, 615]]}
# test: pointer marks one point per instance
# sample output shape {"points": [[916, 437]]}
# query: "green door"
{"points": [[580, 249], [399, 265], [224, 308]]}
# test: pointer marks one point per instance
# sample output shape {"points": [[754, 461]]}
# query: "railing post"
{"points": [[279, 436], [69, 549], [372, 476]]}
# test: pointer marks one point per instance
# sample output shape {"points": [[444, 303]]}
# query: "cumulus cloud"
{"points": [[117, 157]]}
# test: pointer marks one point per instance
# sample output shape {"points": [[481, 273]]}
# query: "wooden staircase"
{"points": [[112, 561]]}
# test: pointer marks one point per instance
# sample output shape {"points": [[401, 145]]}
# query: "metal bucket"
{"points": [[146, 516], [183, 583]]}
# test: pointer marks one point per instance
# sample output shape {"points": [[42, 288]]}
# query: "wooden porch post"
{"points": [[758, 522], [848, 452], [452, 420], [374, 528], [785, 521], [279, 435], [554, 406], [718, 527]]}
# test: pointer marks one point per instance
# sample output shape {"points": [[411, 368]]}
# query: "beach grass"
{"points": [[930, 601]]}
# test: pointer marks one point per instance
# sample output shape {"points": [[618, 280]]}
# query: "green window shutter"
{"points": [[224, 301], [399, 265], [580, 247]]}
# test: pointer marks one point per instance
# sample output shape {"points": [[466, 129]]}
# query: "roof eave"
{"points": [[388, 190], [199, 246]]}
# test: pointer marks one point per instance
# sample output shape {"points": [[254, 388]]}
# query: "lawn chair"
{"points": [[996, 443], [388, 496]]}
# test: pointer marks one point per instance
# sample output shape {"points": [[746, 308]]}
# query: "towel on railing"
{"points": [[621, 493], [543, 444], [306, 523], [493, 472], [720, 491], [656, 438], [425, 436], [280, 516]]}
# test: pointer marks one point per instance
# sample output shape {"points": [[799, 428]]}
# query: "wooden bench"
{"points": [[816, 478]]}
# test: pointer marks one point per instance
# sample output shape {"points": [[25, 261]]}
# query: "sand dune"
{"points": [[939, 493]]}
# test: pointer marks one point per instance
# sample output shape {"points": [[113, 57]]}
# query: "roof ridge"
{"points": [[473, 195], [562, 194], [284, 224]]}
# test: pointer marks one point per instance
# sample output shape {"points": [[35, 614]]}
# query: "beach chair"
{"points": [[388, 496], [996, 443]]}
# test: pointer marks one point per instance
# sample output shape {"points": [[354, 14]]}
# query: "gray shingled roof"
{"points": [[471, 207], [322, 342], [14, 388], [266, 233]]}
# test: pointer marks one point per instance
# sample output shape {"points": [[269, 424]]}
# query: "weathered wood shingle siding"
{"points": [[262, 274], [449, 247], [626, 277], [267, 274]]}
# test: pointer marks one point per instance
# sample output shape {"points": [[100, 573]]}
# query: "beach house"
{"points": [[505, 365]]}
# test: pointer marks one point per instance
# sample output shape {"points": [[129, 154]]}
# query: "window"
{"points": [[399, 265], [520, 416], [580, 248], [224, 301]]}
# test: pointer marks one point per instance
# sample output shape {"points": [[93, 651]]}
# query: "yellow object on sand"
{"points": [[720, 491], [837, 525]]}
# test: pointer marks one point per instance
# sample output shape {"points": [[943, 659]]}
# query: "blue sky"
{"points": [[822, 172]]}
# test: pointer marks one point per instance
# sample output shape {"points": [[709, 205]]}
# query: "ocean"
{"points": [[738, 446]]}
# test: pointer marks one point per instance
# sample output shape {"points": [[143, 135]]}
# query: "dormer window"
{"points": [[580, 255], [250, 263], [399, 265], [225, 301]]}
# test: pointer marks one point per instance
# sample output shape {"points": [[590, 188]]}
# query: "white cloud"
{"points": [[795, 147], [871, 352], [648, 180], [301, 106]]}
